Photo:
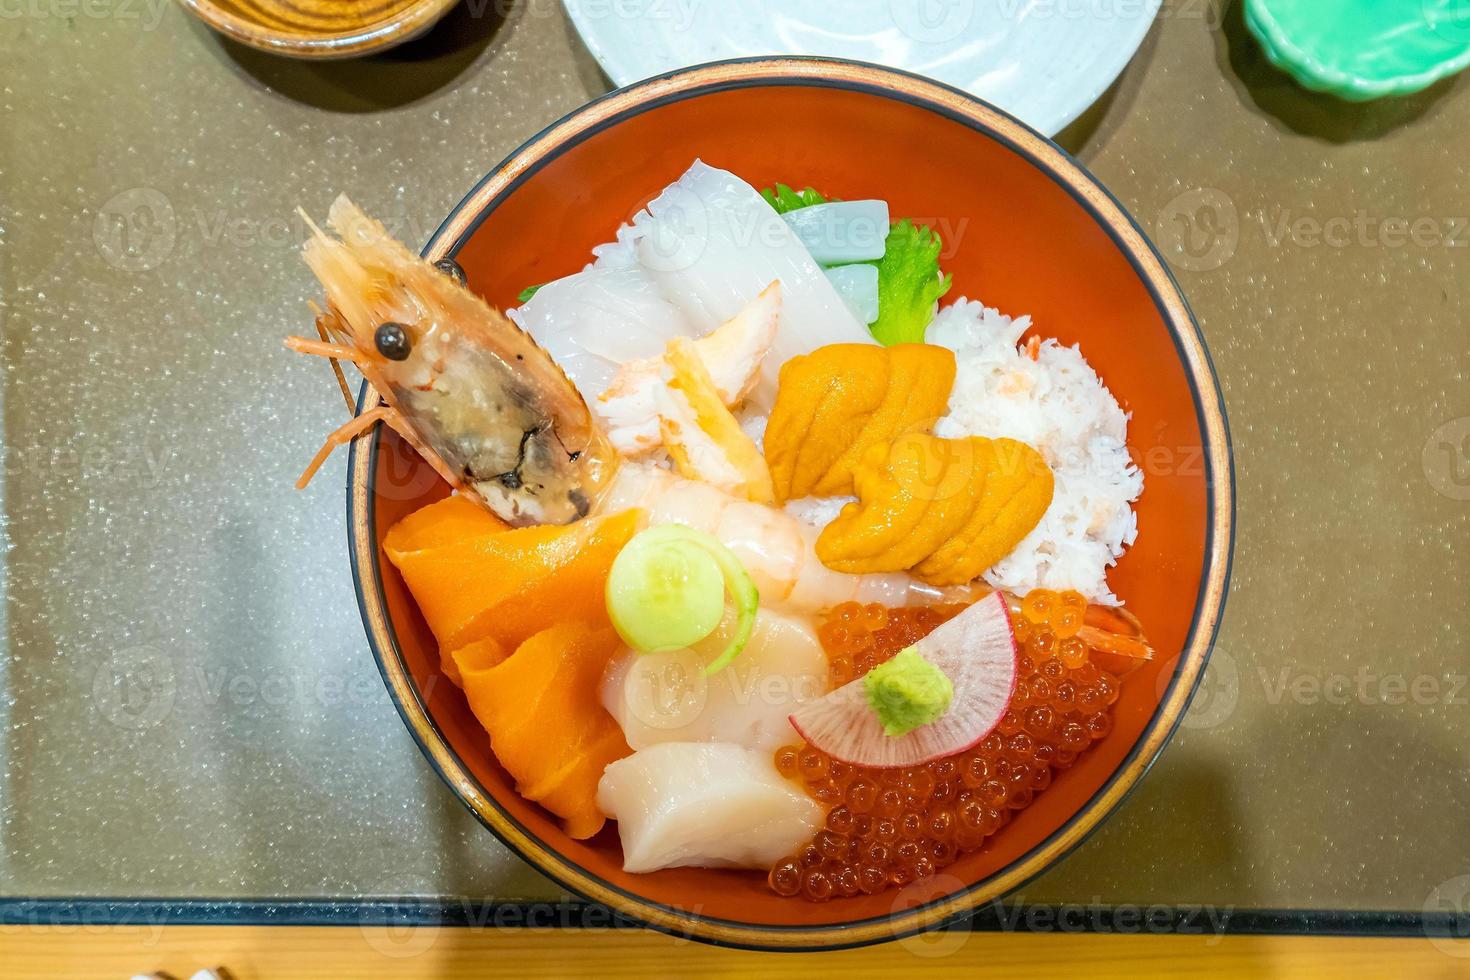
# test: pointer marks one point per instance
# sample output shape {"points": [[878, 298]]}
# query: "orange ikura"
{"points": [[888, 827]]}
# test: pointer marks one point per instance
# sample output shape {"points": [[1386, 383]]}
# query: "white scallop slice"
{"points": [[706, 805], [667, 697]]}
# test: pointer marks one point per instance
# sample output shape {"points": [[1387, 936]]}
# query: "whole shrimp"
{"points": [[496, 417], [478, 398]]}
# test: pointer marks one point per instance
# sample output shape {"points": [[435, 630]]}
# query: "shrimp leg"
{"points": [[321, 330], [353, 428]]}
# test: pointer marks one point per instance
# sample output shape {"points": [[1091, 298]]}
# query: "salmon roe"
{"points": [[893, 826]]}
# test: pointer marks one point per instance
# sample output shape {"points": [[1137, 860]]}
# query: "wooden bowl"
{"points": [[320, 28], [1032, 232]]}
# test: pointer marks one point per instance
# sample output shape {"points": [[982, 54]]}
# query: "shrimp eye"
{"points": [[392, 341], [451, 269]]}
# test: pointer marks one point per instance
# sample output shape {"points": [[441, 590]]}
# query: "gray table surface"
{"points": [[189, 707]]}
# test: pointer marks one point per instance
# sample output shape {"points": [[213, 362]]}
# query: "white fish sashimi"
{"points": [[667, 697], [843, 231], [712, 243], [704, 804], [604, 316]]}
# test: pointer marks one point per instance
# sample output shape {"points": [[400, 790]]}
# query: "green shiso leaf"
{"points": [[784, 199], [909, 284]]}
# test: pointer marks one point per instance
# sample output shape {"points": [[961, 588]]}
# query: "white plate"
{"points": [[1044, 61]]}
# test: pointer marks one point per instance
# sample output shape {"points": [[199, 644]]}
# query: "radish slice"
{"points": [[977, 652]]}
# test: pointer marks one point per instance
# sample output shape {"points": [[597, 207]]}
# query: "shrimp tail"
{"points": [[1106, 629]]}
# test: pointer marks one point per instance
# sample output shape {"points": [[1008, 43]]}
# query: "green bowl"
{"points": [[1363, 49]]}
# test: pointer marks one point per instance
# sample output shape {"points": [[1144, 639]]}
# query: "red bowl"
{"points": [[1027, 230]]}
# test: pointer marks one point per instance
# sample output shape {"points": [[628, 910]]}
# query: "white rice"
{"points": [[1060, 406]]}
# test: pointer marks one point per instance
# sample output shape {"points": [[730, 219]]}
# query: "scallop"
{"points": [[704, 805], [667, 697]]}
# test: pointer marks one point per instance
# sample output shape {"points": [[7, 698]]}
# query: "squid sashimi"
{"points": [[666, 696], [713, 243], [595, 321], [704, 804], [546, 728], [703, 249]]}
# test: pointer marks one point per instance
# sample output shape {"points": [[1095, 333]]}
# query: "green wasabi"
{"points": [[907, 692]]}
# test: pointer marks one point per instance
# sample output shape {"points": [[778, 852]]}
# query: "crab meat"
{"points": [[731, 353]]}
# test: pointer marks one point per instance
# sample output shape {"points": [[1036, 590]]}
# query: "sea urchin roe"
{"points": [[946, 508], [893, 826], [838, 400]]}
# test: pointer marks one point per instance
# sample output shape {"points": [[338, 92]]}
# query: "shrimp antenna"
{"points": [[315, 228]]}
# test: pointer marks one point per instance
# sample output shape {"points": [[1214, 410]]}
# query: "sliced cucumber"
{"points": [[666, 591]]}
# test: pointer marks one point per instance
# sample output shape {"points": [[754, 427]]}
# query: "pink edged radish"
{"points": [[936, 698]]}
